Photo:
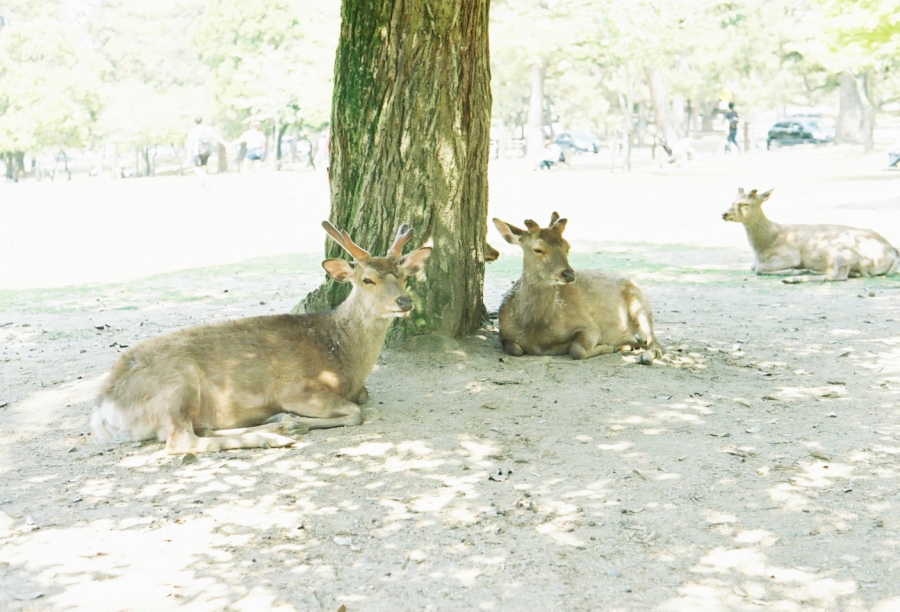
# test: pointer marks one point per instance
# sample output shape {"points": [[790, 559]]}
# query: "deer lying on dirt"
{"points": [[552, 311], [832, 252], [252, 383]]}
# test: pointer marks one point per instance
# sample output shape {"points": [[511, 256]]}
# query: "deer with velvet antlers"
{"points": [[256, 382], [552, 310]]}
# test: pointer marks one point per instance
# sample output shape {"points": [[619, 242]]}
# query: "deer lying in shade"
{"points": [[829, 252], [256, 382], [552, 310]]}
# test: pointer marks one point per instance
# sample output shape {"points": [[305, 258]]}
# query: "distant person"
{"points": [[255, 141], [552, 155], [199, 147], [894, 155], [682, 152], [732, 117]]}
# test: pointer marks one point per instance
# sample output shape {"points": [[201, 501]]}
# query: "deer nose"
{"points": [[569, 275], [405, 303]]}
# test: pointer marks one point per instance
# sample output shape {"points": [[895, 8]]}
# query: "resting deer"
{"points": [[254, 382], [552, 311], [832, 252]]}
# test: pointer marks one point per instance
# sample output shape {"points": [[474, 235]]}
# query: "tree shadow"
{"points": [[748, 468]]}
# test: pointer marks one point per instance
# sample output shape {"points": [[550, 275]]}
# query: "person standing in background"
{"points": [[732, 117], [199, 144], [255, 141]]}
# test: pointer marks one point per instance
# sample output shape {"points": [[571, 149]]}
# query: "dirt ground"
{"points": [[755, 467]]}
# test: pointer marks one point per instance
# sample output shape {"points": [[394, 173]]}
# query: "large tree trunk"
{"points": [[410, 143], [659, 95], [856, 116]]}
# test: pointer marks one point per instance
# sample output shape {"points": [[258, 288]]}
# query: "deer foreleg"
{"points": [[282, 423], [586, 345], [513, 348], [321, 410], [836, 270], [186, 441], [780, 263]]}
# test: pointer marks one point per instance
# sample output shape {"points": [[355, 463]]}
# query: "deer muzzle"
{"points": [[568, 275], [405, 303]]}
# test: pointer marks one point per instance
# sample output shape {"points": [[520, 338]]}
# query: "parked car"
{"points": [[577, 142], [799, 130]]}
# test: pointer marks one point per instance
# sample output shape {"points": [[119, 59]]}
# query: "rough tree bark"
{"points": [[410, 140], [659, 95], [856, 116]]}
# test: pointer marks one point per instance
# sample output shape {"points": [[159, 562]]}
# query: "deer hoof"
{"points": [[645, 358], [289, 424], [270, 440]]}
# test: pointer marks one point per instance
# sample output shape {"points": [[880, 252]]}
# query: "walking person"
{"points": [[732, 117], [199, 147], [255, 141]]}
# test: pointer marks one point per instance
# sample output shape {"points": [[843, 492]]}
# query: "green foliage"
{"points": [[870, 26], [271, 58], [84, 72], [154, 82], [80, 73], [49, 91], [762, 54]]}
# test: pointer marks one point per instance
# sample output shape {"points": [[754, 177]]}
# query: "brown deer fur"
{"points": [[255, 382], [831, 252], [552, 310]]}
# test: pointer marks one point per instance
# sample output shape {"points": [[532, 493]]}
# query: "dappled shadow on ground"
{"points": [[754, 466]]}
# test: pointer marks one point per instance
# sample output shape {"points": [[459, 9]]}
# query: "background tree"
{"points": [[409, 143], [49, 91], [270, 60], [153, 81], [863, 39]]}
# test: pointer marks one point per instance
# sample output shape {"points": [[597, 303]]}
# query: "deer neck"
{"points": [[361, 333], [540, 299], [761, 232]]}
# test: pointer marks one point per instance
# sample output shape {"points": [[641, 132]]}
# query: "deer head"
{"points": [[546, 252], [746, 206], [379, 283]]}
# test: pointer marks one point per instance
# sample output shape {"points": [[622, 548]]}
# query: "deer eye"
{"points": [[368, 281], [539, 251]]}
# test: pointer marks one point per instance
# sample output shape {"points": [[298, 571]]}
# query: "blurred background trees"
{"points": [[124, 79]]}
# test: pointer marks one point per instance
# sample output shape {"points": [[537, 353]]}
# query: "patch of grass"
{"points": [[219, 284]]}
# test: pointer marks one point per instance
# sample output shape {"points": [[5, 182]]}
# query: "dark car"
{"points": [[578, 142], [799, 130]]}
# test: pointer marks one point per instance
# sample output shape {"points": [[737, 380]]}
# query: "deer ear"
{"points": [[740, 191], [765, 196], [560, 225], [339, 269], [415, 261], [510, 233]]}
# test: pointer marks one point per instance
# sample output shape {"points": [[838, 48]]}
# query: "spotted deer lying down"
{"points": [[830, 252], [552, 310], [255, 382]]}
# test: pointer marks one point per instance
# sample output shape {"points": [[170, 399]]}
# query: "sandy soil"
{"points": [[755, 467]]}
